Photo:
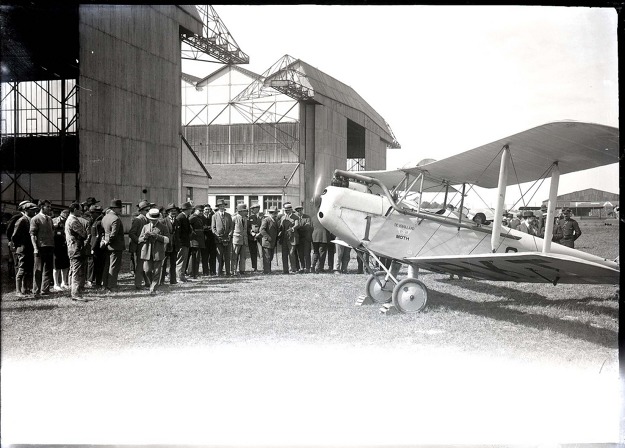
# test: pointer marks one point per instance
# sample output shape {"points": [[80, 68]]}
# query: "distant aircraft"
{"points": [[369, 211]]}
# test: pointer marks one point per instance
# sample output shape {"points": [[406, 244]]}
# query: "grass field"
{"points": [[305, 346]]}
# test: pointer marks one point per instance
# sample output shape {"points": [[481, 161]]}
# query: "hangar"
{"points": [[95, 109], [590, 203]]}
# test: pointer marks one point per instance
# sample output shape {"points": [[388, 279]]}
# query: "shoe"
{"points": [[57, 289], [37, 295], [88, 284], [64, 287], [79, 299], [21, 295], [173, 283]]}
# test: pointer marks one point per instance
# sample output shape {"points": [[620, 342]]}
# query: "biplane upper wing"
{"points": [[574, 145], [531, 267], [391, 178]]}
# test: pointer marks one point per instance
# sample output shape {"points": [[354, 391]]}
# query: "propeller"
{"points": [[316, 197]]}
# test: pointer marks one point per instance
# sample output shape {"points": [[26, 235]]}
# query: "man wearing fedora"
{"points": [[153, 238], [527, 225], [135, 246], [253, 233], [289, 238], [183, 240], [209, 256], [305, 239], [171, 250], [97, 253], [197, 243], [23, 246], [240, 242], [269, 238], [222, 229], [114, 244]]}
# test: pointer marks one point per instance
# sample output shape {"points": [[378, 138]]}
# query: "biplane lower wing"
{"points": [[531, 267]]}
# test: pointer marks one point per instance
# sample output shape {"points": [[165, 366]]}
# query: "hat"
{"points": [[566, 210], [143, 205], [287, 205], [170, 207], [29, 206], [528, 213], [22, 204], [543, 207], [207, 206], [116, 203], [241, 208], [273, 209], [153, 214], [299, 207], [186, 206], [95, 208], [221, 202], [199, 207], [255, 205], [91, 201], [44, 202]]}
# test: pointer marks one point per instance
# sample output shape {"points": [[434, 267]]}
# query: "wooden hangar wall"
{"points": [[130, 101]]}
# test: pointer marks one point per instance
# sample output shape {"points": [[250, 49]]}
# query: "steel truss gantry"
{"points": [[216, 41]]}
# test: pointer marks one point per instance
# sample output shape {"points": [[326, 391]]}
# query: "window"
{"points": [[189, 194], [355, 164], [251, 200], [126, 208], [272, 201], [226, 199], [238, 200]]}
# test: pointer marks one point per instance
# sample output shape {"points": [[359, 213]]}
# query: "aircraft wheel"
{"points": [[410, 296], [377, 293]]}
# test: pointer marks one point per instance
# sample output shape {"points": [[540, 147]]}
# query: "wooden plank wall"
{"points": [[130, 102]]}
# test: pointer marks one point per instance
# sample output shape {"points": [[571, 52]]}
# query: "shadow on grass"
{"points": [[499, 311], [19, 309], [532, 298]]}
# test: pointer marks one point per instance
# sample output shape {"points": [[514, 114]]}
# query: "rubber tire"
{"points": [[410, 296], [377, 294]]}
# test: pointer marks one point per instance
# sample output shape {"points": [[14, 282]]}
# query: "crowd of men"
{"points": [[565, 229], [84, 245]]}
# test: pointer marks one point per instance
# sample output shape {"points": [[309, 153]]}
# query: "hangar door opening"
{"points": [[355, 146]]}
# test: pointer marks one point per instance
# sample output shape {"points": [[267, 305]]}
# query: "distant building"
{"points": [[278, 136], [588, 203]]}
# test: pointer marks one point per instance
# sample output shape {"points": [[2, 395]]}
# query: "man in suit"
{"points": [[197, 243], [76, 237], [169, 263], [240, 239], [23, 246], [320, 240], [114, 244], [222, 229], [289, 238], [183, 240], [135, 246], [211, 250], [269, 238], [97, 233], [42, 236], [253, 234], [154, 237], [305, 239]]}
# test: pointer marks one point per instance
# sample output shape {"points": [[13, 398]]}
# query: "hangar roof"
{"points": [[255, 175]]}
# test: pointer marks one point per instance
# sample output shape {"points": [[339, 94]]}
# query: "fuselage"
{"points": [[368, 219]]}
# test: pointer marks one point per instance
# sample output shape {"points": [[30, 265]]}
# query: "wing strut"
{"points": [[501, 197], [551, 210]]}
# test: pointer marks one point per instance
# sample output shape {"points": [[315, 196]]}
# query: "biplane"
{"points": [[372, 212]]}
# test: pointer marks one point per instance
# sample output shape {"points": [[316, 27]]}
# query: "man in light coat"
{"points": [[289, 238], [240, 242], [222, 229], [76, 237], [154, 238], [42, 236]]}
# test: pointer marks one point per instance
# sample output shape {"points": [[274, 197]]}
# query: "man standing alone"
{"points": [[42, 235], [570, 229]]}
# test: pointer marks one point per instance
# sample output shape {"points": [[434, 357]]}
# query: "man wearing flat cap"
{"points": [[570, 229], [9, 232], [135, 245], [222, 229], [42, 235], [240, 242], [114, 244], [23, 245], [289, 238], [183, 240]]}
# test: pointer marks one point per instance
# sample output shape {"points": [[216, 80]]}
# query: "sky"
{"points": [[450, 78]]}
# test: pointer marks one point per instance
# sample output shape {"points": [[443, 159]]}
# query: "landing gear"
{"points": [[379, 288], [410, 296]]}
